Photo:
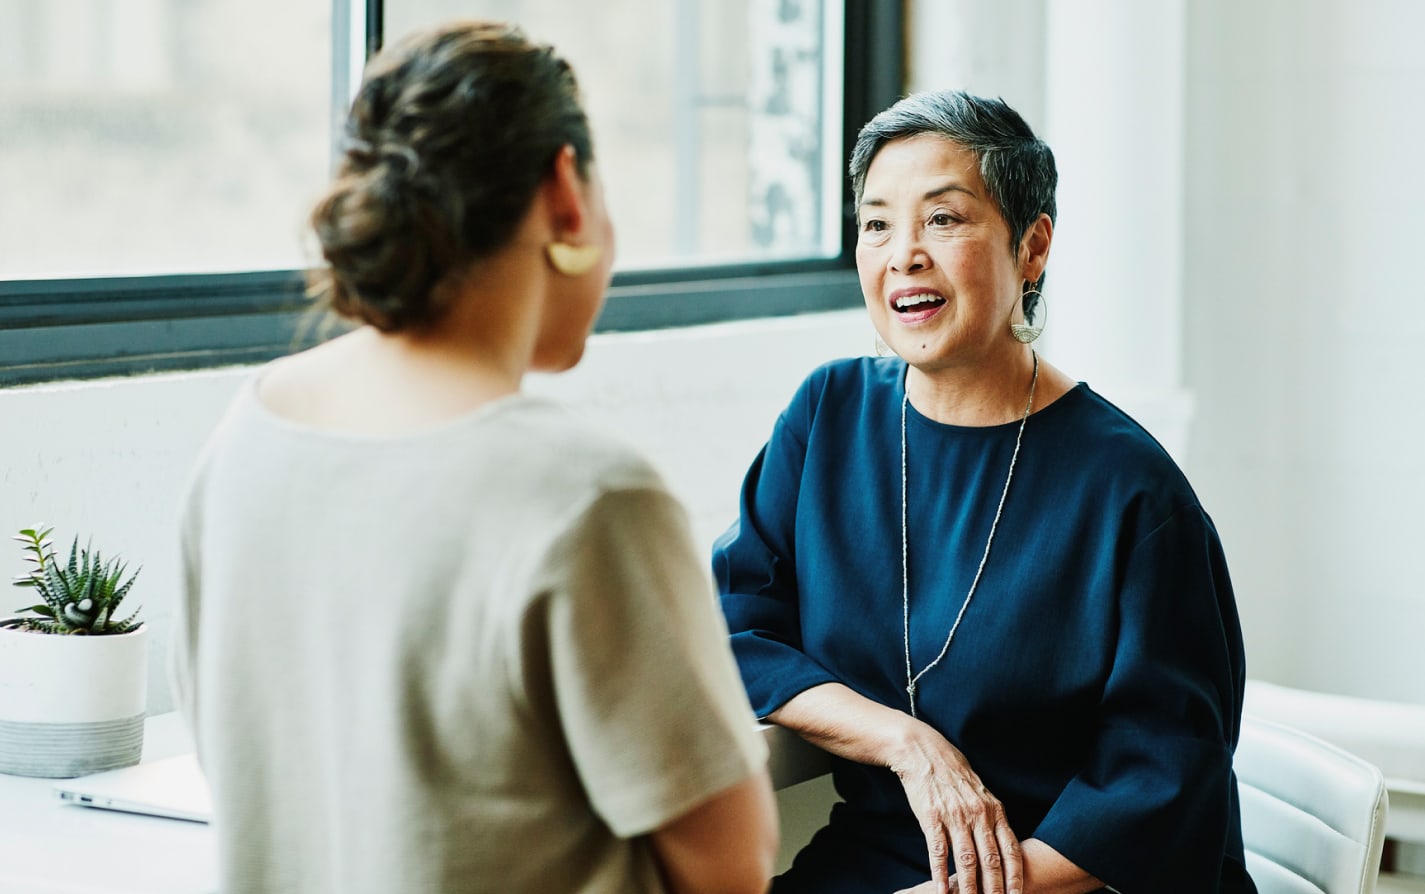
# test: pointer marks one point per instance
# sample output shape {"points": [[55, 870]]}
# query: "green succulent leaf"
{"points": [[123, 590], [33, 535], [75, 618], [130, 623], [81, 595], [73, 557], [55, 586]]}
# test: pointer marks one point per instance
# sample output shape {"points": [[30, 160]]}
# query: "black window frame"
{"points": [[56, 329]]}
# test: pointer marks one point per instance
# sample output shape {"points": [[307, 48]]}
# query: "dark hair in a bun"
{"points": [[448, 139]]}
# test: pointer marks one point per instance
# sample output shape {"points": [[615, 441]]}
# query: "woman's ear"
{"points": [[574, 246], [566, 190], [1034, 248]]}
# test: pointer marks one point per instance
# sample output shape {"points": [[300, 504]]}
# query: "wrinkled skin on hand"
{"points": [[967, 835]]}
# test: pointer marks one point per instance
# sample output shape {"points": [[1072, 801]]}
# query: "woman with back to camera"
{"points": [[436, 634], [981, 586]]}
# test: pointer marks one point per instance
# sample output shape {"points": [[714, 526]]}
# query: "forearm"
{"points": [[1046, 871], [726, 845], [837, 719]]}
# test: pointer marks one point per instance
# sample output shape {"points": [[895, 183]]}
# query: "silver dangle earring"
{"points": [[1036, 313]]}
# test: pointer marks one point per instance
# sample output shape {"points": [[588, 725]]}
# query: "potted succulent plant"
{"points": [[73, 668]]}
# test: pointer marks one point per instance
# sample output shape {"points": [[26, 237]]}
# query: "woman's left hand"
{"points": [[965, 827], [928, 887], [1045, 870], [971, 846]]}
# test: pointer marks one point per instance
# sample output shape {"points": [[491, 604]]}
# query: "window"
{"points": [[710, 118], [143, 137], [158, 157]]}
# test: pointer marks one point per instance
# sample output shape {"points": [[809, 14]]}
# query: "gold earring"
{"points": [[1025, 333], [572, 260]]}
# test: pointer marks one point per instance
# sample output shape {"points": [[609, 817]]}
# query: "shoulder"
{"points": [[1098, 425], [847, 383], [238, 448], [566, 481], [1114, 454], [243, 414], [855, 374], [835, 395], [576, 454]]}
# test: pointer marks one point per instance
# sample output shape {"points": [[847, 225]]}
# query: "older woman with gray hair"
{"points": [[986, 590]]}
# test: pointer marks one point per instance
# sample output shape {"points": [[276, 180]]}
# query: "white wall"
{"points": [[1305, 186], [701, 401], [109, 459], [1280, 334], [986, 47]]}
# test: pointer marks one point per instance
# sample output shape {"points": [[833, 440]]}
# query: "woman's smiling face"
{"points": [[933, 254]]}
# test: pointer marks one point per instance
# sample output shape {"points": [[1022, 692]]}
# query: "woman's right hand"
{"points": [[967, 834]]}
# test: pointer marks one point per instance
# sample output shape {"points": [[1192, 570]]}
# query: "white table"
{"points": [[54, 848]]}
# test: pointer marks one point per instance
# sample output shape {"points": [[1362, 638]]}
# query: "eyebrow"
{"points": [[933, 194]]}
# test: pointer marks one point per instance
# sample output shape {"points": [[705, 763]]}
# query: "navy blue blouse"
{"points": [[1095, 683]]}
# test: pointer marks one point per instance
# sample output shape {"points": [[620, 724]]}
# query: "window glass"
{"points": [[160, 136], [717, 123]]}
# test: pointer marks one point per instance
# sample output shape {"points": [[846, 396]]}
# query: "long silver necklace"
{"points": [[911, 678]]}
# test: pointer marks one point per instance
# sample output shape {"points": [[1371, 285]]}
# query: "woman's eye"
{"points": [[941, 219], [874, 226]]}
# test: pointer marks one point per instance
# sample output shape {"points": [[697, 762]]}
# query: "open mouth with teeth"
{"points": [[917, 304]]}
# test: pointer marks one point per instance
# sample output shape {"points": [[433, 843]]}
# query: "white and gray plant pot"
{"points": [[71, 705]]}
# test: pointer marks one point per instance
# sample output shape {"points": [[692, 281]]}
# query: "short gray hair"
{"points": [[1016, 166]]}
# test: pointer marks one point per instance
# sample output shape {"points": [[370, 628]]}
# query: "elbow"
{"points": [[766, 863], [765, 837], [727, 845], [760, 849]]}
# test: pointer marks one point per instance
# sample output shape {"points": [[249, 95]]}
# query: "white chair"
{"points": [[1313, 815], [1389, 734]]}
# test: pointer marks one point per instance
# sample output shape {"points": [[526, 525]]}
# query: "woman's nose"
{"points": [[907, 252]]}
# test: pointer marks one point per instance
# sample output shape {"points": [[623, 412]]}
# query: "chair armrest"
{"points": [[792, 759], [1389, 734]]}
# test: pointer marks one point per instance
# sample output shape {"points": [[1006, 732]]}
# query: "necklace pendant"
{"points": [[910, 693]]}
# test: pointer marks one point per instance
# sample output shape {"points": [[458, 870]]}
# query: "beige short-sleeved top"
{"points": [[486, 658]]}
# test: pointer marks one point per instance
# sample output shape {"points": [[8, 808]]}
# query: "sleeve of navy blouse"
{"points": [[1155, 806], [754, 563]]}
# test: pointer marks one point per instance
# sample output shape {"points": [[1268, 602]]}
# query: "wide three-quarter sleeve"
{"points": [[754, 563], [1154, 808]]}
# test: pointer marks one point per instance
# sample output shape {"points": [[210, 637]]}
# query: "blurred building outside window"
{"points": [[157, 137]]}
